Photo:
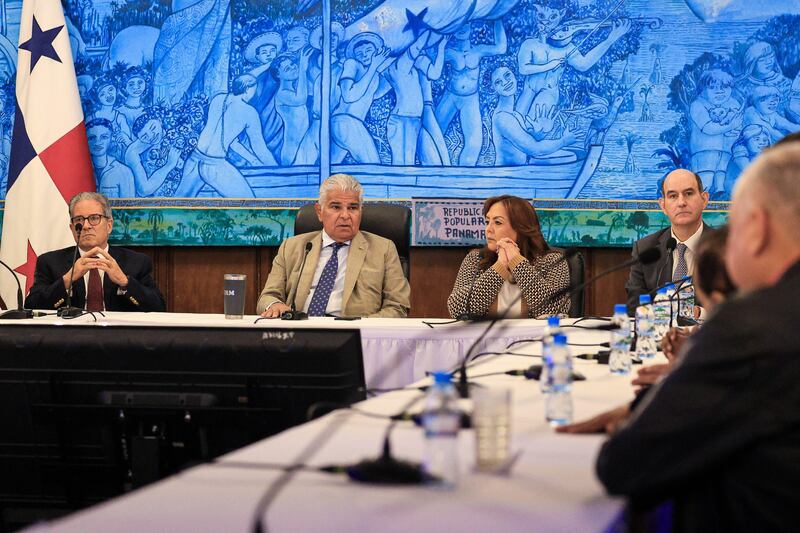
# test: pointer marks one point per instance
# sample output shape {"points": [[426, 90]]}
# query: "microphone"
{"points": [[67, 311], [20, 312], [671, 245], [294, 314], [467, 315]]}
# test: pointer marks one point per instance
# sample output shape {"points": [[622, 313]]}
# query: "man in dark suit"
{"points": [[105, 278], [720, 435], [683, 201]]}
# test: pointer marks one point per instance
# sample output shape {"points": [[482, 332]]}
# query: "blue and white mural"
{"points": [[558, 99]]}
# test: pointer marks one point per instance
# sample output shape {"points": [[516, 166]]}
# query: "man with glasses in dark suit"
{"points": [[104, 278]]}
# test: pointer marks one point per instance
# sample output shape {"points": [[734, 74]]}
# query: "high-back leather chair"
{"points": [[576, 277], [390, 221]]}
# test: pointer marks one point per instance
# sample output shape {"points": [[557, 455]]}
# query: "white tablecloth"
{"points": [[552, 486], [396, 351]]}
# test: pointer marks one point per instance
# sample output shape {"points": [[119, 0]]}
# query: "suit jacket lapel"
{"points": [[355, 260], [666, 272], [304, 283], [78, 287]]}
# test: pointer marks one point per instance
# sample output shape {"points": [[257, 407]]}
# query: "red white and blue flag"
{"points": [[49, 160]]}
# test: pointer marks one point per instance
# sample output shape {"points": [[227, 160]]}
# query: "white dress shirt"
{"points": [[335, 301], [691, 246], [509, 295]]}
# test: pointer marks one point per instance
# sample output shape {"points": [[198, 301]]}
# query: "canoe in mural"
{"points": [[559, 175]]}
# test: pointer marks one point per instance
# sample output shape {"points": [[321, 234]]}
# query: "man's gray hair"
{"points": [[773, 181], [95, 196], [342, 182]]}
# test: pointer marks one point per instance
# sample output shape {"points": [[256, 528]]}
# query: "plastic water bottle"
{"points": [[442, 420], [645, 329], [686, 293], [619, 362], [673, 305], [552, 329], [661, 308], [558, 401]]}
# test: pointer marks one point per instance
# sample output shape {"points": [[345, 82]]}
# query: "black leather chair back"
{"points": [[576, 277], [390, 221]]}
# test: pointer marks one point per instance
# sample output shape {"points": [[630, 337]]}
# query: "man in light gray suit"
{"points": [[347, 272]]}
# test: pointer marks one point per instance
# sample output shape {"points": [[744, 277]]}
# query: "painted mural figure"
{"points": [[149, 174], [196, 29], [135, 82], [516, 136], [262, 51], [104, 95], [361, 83], [461, 94], [543, 63], [716, 122], [229, 116], [751, 142], [761, 69], [431, 146], [308, 153], [404, 125], [114, 179], [764, 111], [291, 102]]}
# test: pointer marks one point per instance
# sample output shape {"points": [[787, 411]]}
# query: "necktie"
{"points": [[319, 302], [680, 268], [94, 292]]}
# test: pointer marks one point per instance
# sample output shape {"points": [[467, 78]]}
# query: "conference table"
{"points": [[550, 486], [395, 351]]}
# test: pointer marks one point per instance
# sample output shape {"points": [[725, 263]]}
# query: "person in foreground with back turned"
{"points": [[347, 272], [720, 435], [683, 201], [105, 278], [516, 259]]}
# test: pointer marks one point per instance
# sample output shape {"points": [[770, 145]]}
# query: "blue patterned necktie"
{"points": [[681, 268], [319, 302]]}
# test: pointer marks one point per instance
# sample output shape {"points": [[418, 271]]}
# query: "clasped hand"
{"points": [[507, 250], [96, 258]]}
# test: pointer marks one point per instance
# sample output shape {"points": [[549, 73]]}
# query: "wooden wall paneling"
{"points": [[602, 295], [196, 279], [433, 272], [191, 277]]}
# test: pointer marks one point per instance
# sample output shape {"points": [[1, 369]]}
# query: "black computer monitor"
{"points": [[90, 412]]}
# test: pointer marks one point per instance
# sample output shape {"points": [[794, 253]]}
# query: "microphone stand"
{"points": [[294, 314], [67, 311], [20, 312]]}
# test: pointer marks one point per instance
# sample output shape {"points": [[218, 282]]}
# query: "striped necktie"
{"points": [[319, 302], [681, 268]]}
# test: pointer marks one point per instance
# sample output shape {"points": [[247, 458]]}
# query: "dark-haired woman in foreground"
{"points": [[515, 261]]}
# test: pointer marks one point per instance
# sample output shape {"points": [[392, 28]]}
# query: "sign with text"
{"points": [[448, 223]]}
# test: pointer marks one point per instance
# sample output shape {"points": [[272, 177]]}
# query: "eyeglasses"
{"points": [[92, 219]]}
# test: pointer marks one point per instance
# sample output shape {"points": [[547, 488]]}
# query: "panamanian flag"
{"points": [[49, 160]]}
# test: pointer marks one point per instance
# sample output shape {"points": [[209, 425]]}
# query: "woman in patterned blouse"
{"points": [[516, 260]]}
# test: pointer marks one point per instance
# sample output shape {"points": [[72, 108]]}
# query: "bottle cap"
{"points": [[620, 308], [644, 299], [560, 339], [686, 278], [670, 286], [662, 290], [553, 321], [440, 378]]}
